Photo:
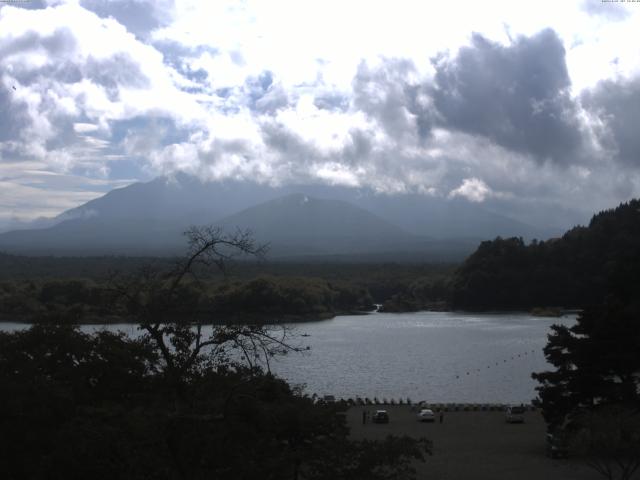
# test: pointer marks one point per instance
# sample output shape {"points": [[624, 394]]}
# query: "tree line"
{"points": [[581, 268], [277, 298], [591, 395]]}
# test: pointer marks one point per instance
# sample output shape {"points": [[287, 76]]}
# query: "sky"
{"points": [[524, 106]]}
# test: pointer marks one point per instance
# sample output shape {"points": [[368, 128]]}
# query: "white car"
{"points": [[515, 414], [381, 416], [426, 415]]}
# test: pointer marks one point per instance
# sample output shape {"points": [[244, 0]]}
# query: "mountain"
{"points": [[148, 219], [97, 236], [180, 199], [448, 218], [297, 224]]}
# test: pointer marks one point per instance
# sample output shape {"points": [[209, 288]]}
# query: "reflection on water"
{"points": [[439, 357]]}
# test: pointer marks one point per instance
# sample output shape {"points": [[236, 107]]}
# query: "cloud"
{"points": [[616, 104], [609, 10], [65, 66], [473, 189], [333, 101], [29, 191], [264, 96], [380, 93], [85, 127], [133, 88], [140, 17], [517, 96]]}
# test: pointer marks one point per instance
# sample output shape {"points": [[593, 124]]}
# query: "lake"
{"points": [[434, 356]]}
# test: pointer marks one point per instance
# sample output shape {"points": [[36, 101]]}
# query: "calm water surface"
{"points": [[434, 356]]}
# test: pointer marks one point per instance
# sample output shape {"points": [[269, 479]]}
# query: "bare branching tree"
{"points": [[172, 311]]}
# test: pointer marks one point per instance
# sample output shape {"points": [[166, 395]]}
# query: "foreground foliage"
{"points": [[176, 402], [97, 406], [609, 439], [596, 362], [593, 395]]}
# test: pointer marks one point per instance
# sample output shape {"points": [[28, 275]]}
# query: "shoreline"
{"points": [[225, 319], [288, 318]]}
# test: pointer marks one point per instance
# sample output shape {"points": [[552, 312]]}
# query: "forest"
{"points": [[36, 289], [581, 268]]}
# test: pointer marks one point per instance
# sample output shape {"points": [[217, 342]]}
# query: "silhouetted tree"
{"points": [[593, 395], [171, 308], [609, 440], [596, 362]]}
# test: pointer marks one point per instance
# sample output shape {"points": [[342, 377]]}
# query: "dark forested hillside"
{"points": [[579, 269]]}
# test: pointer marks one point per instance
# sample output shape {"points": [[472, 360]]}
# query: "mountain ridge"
{"points": [[149, 218]]}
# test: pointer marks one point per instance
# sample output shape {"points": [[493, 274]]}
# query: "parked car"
{"points": [[557, 445], [515, 414], [380, 416], [426, 415]]}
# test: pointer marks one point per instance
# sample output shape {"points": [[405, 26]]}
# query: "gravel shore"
{"points": [[476, 445]]}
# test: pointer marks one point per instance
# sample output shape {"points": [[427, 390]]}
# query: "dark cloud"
{"points": [[616, 104], [138, 16], [290, 145], [30, 5], [56, 45], [387, 94], [217, 149], [224, 92], [359, 148], [517, 96], [419, 103], [114, 72], [143, 134], [179, 56], [119, 70], [609, 10], [14, 117], [18, 118]]}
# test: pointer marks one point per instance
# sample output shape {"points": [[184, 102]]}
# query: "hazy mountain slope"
{"points": [[97, 236], [187, 198], [148, 218], [297, 224], [182, 198], [447, 218]]}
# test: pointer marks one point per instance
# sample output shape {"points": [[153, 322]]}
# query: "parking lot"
{"points": [[475, 445]]}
